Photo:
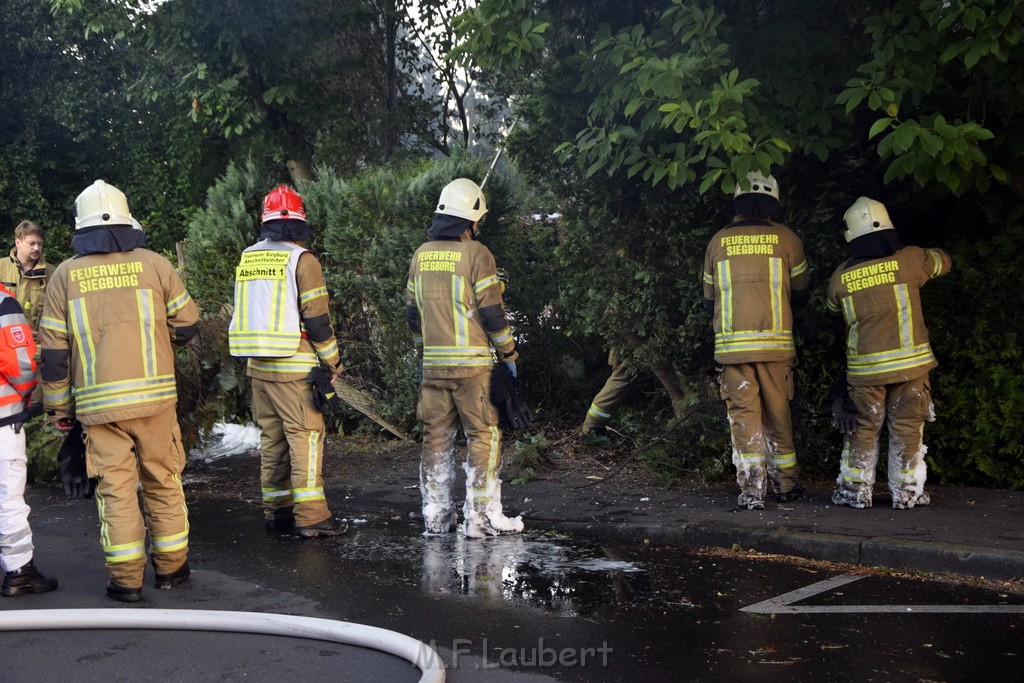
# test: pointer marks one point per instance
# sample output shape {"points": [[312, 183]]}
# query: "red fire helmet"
{"points": [[283, 203]]}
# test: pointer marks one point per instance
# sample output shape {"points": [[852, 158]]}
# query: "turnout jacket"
{"points": [[887, 341], [106, 332], [28, 287], [17, 360], [455, 309], [751, 269], [281, 321]]}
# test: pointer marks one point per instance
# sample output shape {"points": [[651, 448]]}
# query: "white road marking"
{"points": [[783, 604]]}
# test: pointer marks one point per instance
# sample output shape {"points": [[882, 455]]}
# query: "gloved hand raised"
{"points": [[71, 457]]}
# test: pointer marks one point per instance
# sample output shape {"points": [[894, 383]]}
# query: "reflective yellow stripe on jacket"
{"points": [[730, 340], [92, 396], [905, 358]]}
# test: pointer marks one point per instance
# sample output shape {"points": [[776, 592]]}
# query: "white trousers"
{"points": [[15, 533]]}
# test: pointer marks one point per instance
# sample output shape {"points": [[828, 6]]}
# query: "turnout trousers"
{"points": [[291, 451], [904, 408], [611, 396], [121, 455], [442, 404], [757, 397], [15, 533]]}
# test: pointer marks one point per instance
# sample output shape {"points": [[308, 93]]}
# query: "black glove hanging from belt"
{"points": [[325, 398], [71, 457], [513, 413]]}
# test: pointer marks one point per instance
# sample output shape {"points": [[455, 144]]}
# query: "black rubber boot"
{"points": [[27, 579], [282, 521], [168, 581], [332, 526], [123, 593], [795, 493]]}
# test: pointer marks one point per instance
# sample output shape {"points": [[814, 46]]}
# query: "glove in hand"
{"points": [[71, 457], [325, 398], [844, 415]]}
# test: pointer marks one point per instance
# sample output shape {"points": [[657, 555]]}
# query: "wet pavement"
{"points": [[969, 531], [542, 606]]}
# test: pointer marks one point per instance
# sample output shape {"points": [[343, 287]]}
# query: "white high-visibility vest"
{"points": [[266, 321]]}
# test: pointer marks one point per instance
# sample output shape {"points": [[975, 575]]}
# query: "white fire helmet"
{"points": [[463, 198], [759, 185], [102, 204], [866, 216]]}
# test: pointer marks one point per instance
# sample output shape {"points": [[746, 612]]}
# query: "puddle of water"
{"points": [[553, 573]]}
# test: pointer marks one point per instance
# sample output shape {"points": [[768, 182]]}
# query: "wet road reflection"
{"points": [[537, 606]]}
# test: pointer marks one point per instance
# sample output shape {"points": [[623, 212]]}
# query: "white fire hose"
{"points": [[371, 637]]}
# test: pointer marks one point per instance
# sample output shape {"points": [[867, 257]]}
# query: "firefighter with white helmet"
{"points": [[110, 318], [282, 325], [888, 357], [454, 307], [755, 275]]}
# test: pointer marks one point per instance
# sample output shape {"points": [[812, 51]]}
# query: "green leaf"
{"points": [[931, 144], [952, 52], [905, 135], [595, 167], [976, 52], [878, 126], [710, 178]]}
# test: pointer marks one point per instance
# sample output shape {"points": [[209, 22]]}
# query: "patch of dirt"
{"points": [[373, 461]]}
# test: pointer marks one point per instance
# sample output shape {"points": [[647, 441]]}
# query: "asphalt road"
{"points": [[540, 607]]}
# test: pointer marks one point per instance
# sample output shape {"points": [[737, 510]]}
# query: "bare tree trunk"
{"points": [[666, 376], [299, 170], [391, 36]]}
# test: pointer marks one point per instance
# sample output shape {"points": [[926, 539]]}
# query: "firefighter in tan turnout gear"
{"points": [[26, 271], [888, 357], [282, 325], [111, 315], [454, 306], [611, 396], [755, 274]]}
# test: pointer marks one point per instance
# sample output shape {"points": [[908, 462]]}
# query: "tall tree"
{"points": [[679, 91], [68, 121]]}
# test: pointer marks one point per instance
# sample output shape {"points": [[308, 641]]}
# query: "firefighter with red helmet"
{"points": [[455, 309], [282, 325], [755, 275], [111, 316], [17, 381], [888, 357]]}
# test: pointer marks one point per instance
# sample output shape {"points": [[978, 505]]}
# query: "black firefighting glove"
{"points": [[71, 457], [325, 398], [33, 410], [513, 413], [844, 413]]}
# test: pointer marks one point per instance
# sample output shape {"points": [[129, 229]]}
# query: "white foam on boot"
{"points": [[436, 481], [483, 512]]}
